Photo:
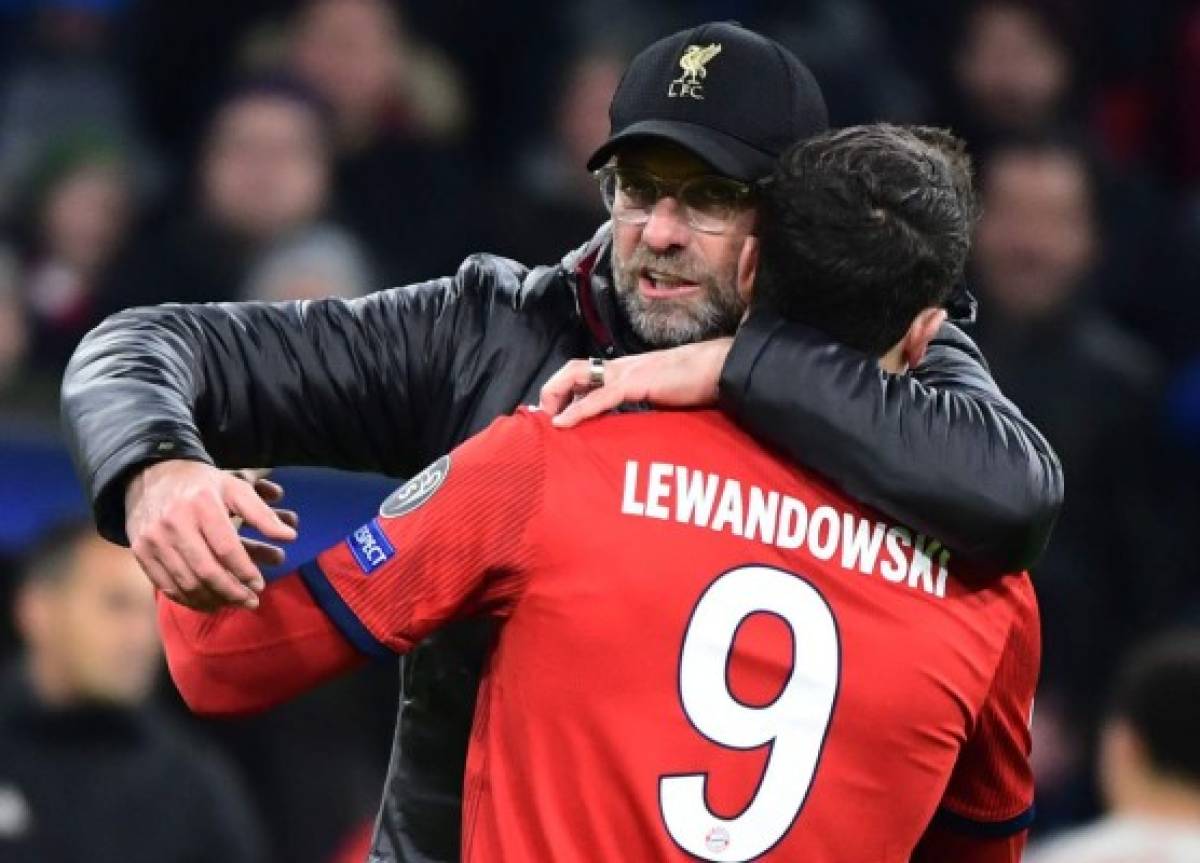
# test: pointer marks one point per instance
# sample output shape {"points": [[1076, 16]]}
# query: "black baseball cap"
{"points": [[732, 96]]}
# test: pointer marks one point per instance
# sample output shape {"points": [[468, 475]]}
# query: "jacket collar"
{"points": [[589, 271]]}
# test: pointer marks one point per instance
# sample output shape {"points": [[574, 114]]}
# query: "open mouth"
{"points": [[656, 285]]}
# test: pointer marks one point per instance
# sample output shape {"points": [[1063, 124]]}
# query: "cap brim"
{"points": [[729, 156]]}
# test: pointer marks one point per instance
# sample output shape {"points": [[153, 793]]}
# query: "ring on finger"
{"points": [[595, 373]]}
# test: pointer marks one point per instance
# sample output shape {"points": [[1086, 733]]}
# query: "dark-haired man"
{"points": [[390, 382], [704, 653], [1149, 763], [1037, 261], [820, 218], [88, 771]]}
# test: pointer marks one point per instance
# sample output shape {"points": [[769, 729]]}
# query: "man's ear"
{"points": [[747, 268], [920, 333]]}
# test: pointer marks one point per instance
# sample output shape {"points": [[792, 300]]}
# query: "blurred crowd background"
{"points": [[162, 151]]}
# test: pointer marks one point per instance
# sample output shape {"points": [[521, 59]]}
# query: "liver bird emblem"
{"points": [[693, 62]]}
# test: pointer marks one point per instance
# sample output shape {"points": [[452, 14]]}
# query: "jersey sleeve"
{"points": [[990, 793], [452, 542], [236, 661]]}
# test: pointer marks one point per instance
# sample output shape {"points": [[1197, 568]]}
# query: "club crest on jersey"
{"points": [[417, 490], [370, 547], [716, 840]]}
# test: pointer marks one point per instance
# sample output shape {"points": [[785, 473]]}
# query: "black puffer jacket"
{"points": [[391, 381]]}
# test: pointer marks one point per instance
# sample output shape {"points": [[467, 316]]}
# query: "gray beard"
{"points": [[668, 323]]}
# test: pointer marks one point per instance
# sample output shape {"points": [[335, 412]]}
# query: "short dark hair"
{"points": [[1158, 694], [49, 559], [864, 227], [278, 86]]}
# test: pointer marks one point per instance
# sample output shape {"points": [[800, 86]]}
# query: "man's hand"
{"points": [[686, 376], [182, 518]]}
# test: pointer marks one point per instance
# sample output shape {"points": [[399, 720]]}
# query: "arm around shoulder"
{"points": [[940, 449], [330, 382]]}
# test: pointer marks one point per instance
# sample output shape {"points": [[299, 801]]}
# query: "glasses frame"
{"points": [[664, 188]]}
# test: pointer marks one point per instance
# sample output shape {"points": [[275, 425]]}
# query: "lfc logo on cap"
{"points": [[693, 62]]}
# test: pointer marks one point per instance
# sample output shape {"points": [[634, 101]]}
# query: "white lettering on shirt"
{"points": [[858, 544]]}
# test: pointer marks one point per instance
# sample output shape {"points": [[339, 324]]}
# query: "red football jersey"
{"points": [[706, 653]]}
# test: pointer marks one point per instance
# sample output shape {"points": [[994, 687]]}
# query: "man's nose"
{"points": [[667, 226]]}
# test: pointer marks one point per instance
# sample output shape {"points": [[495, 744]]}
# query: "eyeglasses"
{"points": [[711, 203]]}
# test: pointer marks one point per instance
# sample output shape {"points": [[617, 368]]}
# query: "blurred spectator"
{"points": [[401, 186], [322, 262], [264, 174], [1017, 71], [79, 209], [14, 334], [556, 204], [1149, 765], [1094, 391], [63, 81], [87, 770], [265, 170], [25, 391], [1013, 70]]}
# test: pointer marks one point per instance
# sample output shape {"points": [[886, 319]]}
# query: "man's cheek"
{"points": [[625, 241]]}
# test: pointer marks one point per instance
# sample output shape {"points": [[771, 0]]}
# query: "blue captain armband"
{"points": [[340, 613]]}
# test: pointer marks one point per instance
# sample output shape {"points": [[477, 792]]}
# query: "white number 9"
{"points": [[794, 723]]}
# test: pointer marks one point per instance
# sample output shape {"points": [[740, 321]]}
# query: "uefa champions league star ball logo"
{"points": [[716, 840], [417, 490]]}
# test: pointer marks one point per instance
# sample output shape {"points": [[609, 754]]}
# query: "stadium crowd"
{"points": [[154, 152]]}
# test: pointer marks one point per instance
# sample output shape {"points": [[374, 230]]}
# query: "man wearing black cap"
{"points": [[156, 397], [686, 125], [729, 96]]}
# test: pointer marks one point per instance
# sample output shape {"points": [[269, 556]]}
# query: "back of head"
{"points": [[863, 228]]}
